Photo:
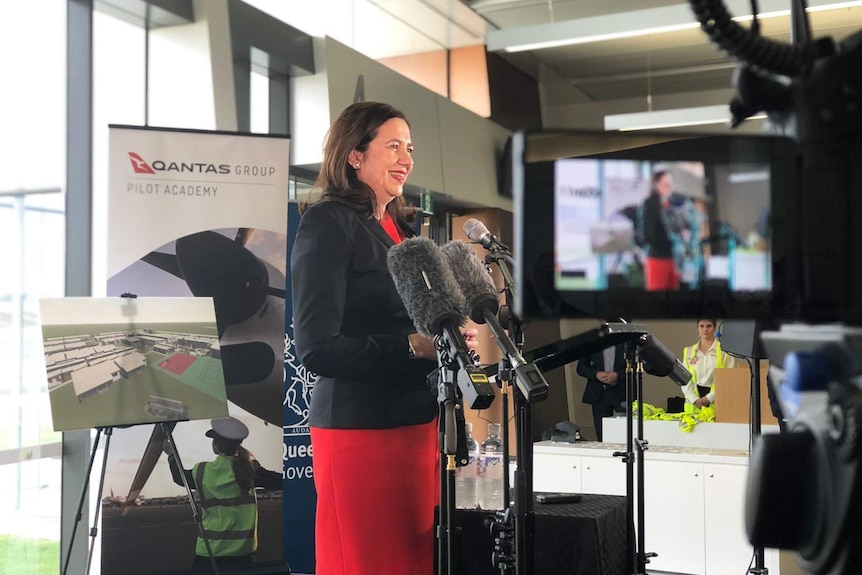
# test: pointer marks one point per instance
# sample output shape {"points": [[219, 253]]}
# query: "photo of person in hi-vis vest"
{"points": [[225, 490]]}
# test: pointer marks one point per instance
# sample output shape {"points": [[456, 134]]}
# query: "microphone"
{"points": [[436, 305], [478, 232], [482, 305], [473, 280], [659, 360]]}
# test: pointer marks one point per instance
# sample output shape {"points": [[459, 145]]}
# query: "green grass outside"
{"points": [[22, 556], [46, 435]]}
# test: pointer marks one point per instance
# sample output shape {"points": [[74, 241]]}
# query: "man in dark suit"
{"points": [[606, 383]]}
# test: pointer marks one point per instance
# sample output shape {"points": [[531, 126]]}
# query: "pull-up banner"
{"points": [[300, 496], [203, 214]]}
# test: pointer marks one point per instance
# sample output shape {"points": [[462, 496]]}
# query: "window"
{"points": [[32, 235]]}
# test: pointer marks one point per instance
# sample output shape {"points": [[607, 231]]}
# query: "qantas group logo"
{"points": [[139, 164]]}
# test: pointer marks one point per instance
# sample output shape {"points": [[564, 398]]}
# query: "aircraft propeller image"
{"points": [[248, 295]]}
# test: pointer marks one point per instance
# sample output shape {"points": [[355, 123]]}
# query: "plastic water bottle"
{"points": [[491, 470], [466, 477]]}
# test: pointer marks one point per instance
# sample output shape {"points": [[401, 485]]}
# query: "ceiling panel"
{"points": [[681, 61], [613, 89], [640, 62], [512, 13]]}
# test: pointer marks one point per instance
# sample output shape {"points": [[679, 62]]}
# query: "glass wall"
{"points": [[32, 236], [33, 219]]}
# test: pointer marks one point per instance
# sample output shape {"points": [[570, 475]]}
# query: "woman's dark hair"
{"points": [[656, 176], [709, 319], [354, 129], [243, 469]]}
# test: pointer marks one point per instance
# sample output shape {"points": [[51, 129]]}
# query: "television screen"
{"points": [[646, 225]]}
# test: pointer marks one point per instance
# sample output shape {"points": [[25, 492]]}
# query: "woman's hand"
{"points": [[423, 347], [471, 338]]}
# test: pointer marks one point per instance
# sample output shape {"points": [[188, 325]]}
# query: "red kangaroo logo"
{"points": [[139, 164]]}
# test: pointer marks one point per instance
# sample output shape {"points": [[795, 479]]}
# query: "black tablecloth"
{"points": [[584, 538]]}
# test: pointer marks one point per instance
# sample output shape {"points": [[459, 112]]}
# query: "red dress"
{"points": [[376, 492]]}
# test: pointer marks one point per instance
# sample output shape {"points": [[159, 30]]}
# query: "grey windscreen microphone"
{"points": [[436, 305], [482, 305]]}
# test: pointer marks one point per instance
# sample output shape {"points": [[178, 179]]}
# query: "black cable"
{"points": [[742, 44]]}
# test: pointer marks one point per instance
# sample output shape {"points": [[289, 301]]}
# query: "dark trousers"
{"points": [[604, 407]]}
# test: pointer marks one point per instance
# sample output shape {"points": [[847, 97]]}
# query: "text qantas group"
{"points": [[203, 168], [141, 166]]}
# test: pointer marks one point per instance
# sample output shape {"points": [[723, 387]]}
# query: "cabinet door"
{"points": [[674, 516], [556, 473], [727, 549], [603, 475]]}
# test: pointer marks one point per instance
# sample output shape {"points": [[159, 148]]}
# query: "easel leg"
{"points": [[195, 511], [79, 513], [94, 531]]}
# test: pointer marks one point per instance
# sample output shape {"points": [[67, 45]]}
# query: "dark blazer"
{"points": [[351, 327], [591, 365], [655, 232]]}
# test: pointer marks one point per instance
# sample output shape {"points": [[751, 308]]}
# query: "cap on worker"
{"points": [[229, 428]]}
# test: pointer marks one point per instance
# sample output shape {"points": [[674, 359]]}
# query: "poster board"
{"points": [[123, 361], [198, 214]]}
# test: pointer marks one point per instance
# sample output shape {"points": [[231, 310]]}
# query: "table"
{"points": [[585, 538]]}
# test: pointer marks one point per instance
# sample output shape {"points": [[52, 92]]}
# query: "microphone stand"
{"points": [[448, 442], [504, 375], [637, 558], [523, 500], [754, 418]]}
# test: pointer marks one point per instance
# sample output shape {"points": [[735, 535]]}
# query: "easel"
{"points": [[94, 530], [166, 428]]}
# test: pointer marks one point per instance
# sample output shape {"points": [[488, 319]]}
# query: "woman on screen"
{"points": [[660, 269]]}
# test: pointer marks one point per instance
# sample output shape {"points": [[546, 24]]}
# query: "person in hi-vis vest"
{"points": [[225, 488], [702, 359]]}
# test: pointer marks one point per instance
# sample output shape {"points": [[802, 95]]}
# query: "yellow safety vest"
{"points": [[229, 512], [689, 354]]}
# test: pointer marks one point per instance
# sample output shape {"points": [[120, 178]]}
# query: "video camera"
{"points": [[804, 485], [759, 228]]}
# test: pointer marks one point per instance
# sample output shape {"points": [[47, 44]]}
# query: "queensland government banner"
{"points": [[300, 497], [203, 214]]}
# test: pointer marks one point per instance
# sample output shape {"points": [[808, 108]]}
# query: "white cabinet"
{"points": [[556, 473], [694, 505], [599, 474], [727, 549], [695, 518], [603, 475], [674, 516]]}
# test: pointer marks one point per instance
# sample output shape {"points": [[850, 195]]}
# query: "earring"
{"points": [[357, 165]]}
